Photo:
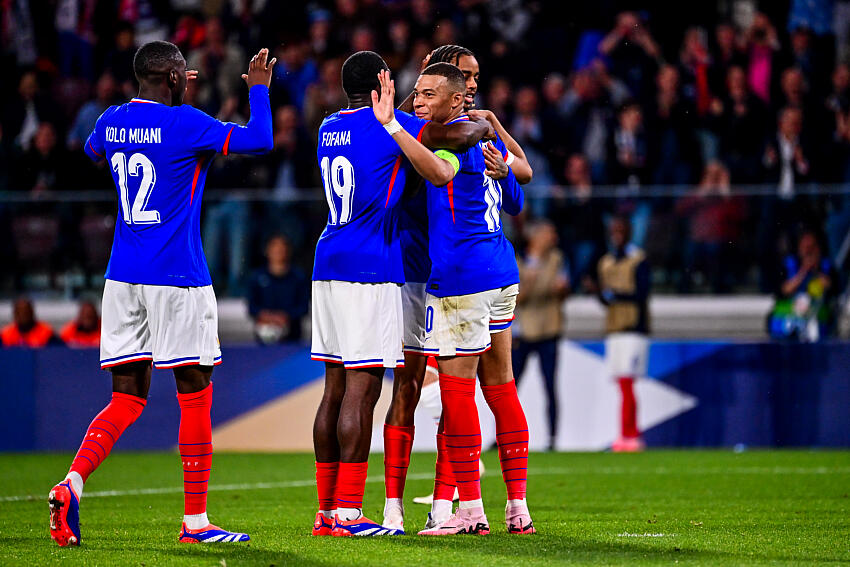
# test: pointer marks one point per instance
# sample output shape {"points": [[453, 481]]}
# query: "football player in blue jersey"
{"points": [[471, 293], [357, 274], [158, 304]]}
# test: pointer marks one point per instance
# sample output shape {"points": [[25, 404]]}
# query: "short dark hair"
{"points": [[156, 58], [360, 73], [449, 54], [453, 75]]}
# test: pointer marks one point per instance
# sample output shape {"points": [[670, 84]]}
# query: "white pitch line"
{"points": [[426, 476], [626, 534]]}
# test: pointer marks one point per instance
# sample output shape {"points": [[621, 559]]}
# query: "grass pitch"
{"points": [[655, 508]]}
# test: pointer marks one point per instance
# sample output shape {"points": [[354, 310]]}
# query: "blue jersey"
{"points": [[159, 156], [364, 177], [468, 250], [413, 228]]}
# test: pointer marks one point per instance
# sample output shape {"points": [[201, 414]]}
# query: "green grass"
{"points": [[711, 508]]}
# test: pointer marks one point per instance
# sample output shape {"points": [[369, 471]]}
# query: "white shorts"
{"points": [[461, 325], [358, 325], [171, 326], [413, 304], [627, 355]]}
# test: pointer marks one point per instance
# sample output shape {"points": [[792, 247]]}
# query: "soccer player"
{"points": [[623, 287], [471, 292], [158, 303], [357, 305], [496, 362]]}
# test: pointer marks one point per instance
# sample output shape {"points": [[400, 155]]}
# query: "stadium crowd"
{"points": [[605, 101]]}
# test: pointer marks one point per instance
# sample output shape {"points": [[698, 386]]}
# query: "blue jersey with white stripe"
{"points": [[468, 250], [159, 156], [363, 176]]}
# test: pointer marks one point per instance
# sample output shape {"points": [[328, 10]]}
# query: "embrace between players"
{"points": [[406, 269], [374, 287]]}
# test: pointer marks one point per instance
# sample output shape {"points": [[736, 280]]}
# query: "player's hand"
{"points": [[487, 118], [383, 106], [191, 74], [260, 69], [496, 168]]}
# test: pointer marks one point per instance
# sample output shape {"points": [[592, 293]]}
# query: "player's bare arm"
{"points": [[457, 137], [434, 169], [520, 166]]}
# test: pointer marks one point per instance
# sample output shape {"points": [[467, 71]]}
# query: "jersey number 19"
{"points": [[338, 179]]}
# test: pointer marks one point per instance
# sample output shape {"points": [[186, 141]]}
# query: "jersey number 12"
{"points": [[338, 178], [122, 166]]}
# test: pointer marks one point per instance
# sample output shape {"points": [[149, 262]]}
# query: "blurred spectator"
{"points": [[804, 309], [76, 36], [579, 216], [726, 54], [623, 286], [740, 121], [44, 167], [539, 314], [633, 53], [220, 64], [671, 120], [786, 155], [694, 63], [294, 73], [25, 330], [105, 91], [628, 150], [119, 59], [84, 331], [762, 43], [588, 118], [278, 296], [24, 112], [714, 220], [325, 96]]}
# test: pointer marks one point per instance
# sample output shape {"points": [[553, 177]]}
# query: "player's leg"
{"points": [[370, 329], [326, 447], [499, 388], [398, 435], [626, 353], [126, 351], [130, 383]]}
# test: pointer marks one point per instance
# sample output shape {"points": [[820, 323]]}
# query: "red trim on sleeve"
{"points": [[94, 150], [195, 178], [227, 142], [451, 191], [421, 131], [392, 180]]}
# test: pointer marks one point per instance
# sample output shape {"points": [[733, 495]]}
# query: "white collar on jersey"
{"points": [[144, 100]]}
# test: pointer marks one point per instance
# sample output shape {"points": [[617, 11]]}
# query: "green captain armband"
{"points": [[449, 157]]}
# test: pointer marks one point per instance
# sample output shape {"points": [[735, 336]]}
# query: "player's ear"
{"points": [[173, 78]]}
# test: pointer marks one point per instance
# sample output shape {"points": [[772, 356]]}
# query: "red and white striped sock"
{"points": [[195, 441]]}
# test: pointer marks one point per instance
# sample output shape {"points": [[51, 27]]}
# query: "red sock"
{"points": [[397, 444], [195, 440], [463, 433], [511, 436], [444, 480], [350, 485], [326, 484], [104, 431], [628, 413]]}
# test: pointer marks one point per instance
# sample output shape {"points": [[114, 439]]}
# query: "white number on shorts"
{"points": [[429, 319], [338, 178], [138, 214], [493, 196]]}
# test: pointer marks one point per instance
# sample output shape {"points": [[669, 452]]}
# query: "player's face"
{"points": [[433, 100], [471, 73]]}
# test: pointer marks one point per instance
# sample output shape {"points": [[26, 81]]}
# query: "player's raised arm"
{"points": [[519, 165], [457, 137], [434, 169], [256, 136]]}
